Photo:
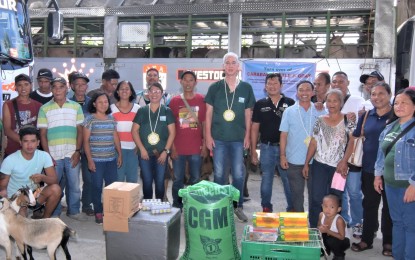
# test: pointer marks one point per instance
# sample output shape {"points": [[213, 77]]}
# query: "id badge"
{"points": [[307, 140]]}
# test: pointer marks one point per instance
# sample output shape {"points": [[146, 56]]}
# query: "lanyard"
{"points": [[226, 95], [308, 133], [149, 118]]}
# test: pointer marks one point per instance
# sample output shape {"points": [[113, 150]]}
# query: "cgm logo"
{"points": [[211, 246]]}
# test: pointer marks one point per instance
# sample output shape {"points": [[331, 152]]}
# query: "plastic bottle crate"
{"points": [[282, 250]]}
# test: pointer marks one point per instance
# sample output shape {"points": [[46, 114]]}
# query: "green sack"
{"points": [[209, 222]]}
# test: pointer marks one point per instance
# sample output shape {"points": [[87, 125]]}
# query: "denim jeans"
{"points": [[353, 196], [179, 167], [151, 171], [233, 151], [320, 187], [270, 158], [403, 228], [86, 183], [68, 179], [129, 169], [297, 184], [105, 171]]}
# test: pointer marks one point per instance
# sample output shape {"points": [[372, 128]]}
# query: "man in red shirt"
{"points": [[189, 110]]}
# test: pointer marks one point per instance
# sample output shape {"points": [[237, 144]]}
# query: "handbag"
{"points": [[357, 153]]}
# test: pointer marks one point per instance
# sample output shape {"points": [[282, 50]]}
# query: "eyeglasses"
{"points": [[155, 91]]}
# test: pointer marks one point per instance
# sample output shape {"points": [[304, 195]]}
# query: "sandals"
{"points": [[357, 247], [387, 250]]}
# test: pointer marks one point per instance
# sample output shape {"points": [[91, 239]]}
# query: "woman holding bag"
{"points": [[396, 163], [372, 127], [327, 149]]}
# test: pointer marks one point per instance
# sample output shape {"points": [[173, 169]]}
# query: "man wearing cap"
{"points": [[79, 85], [61, 136], [44, 93], [368, 81], [189, 110], [18, 112], [109, 82]]}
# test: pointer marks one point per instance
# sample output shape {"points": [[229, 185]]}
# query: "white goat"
{"points": [[22, 198], [40, 233]]}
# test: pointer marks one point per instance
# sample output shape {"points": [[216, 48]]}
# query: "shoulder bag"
{"points": [[357, 154]]}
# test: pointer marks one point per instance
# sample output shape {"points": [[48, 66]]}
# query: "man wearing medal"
{"points": [[229, 105], [266, 121], [153, 132], [296, 130]]}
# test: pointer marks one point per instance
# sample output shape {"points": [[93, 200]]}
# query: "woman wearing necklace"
{"points": [[124, 112], [153, 132]]}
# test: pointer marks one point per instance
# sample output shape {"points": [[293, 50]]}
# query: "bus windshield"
{"points": [[15, 39]]}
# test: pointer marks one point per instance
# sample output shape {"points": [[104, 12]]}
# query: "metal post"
{"points": [[327, 54], [284, 20], [189, 37], [235, 33]]}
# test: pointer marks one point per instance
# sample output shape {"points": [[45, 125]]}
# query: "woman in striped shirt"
{"points": [[101, 146], [124, 112]]}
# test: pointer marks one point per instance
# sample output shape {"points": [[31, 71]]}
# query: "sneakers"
{"points": [[98, 218], [240, 215], [88, 211], [266, 209], [357, 231], [79, 217]]}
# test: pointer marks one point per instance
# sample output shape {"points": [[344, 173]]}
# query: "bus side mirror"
{"points": [[55, 26]]}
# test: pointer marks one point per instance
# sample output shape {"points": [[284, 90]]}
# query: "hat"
{"points": [[78, 75], [375, 74], [59, 79], [22, 77], [44, 73], [188, 72]]}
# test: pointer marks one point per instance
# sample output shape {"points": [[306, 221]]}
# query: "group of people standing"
{"points": [[308, 141]]}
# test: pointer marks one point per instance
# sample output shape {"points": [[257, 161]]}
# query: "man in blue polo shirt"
{"points": [[266, 121], [296, 130]]}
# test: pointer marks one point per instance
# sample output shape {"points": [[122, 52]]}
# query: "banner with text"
{"points": [[292, 73]]}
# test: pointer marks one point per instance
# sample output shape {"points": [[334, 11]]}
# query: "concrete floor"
{"points": [[90, 241]]}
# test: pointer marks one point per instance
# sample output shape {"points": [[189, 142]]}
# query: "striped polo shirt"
{"points": [[61, 124], [124, 125]]}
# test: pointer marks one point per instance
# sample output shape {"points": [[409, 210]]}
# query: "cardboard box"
{"points": [[149, 237], [121, 201]]}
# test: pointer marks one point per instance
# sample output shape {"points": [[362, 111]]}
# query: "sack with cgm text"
{"points": [[209, 221]]}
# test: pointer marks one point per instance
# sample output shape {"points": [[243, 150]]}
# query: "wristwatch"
{"points": [[167, 150]]}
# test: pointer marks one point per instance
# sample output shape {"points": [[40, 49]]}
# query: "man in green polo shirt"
{"points": [[229, 104]]}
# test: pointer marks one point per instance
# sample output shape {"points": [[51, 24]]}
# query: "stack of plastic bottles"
{"points": [[146, 204], [293, 226], [156, 206]]}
